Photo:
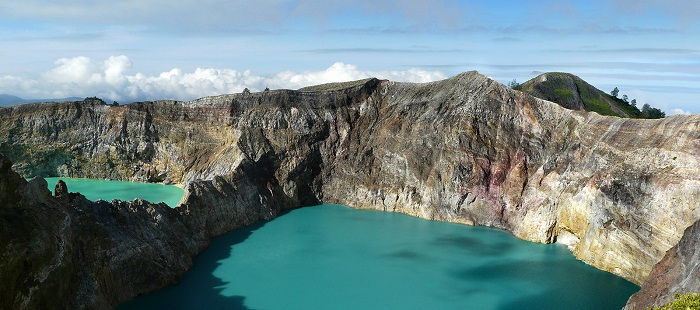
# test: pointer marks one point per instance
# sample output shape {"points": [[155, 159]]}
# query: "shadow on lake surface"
{"points": [[334, 257], [199, 288], [561, 280]]}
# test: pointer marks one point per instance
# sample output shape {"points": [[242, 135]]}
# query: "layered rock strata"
{"points": [[618, 192]]}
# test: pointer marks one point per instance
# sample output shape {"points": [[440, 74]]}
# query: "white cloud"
{"points": [[109, 79], [340, 72], [679, 111]]}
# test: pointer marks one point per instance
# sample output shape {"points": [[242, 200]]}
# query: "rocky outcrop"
{"points": [[677, 273], [65, 252], [617, 191]]}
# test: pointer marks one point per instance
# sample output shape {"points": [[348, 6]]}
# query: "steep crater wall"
{"points": [[618, 192]]}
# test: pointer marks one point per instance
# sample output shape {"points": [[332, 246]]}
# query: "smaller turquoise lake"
{"points": [[108, 190], [335, 257]]}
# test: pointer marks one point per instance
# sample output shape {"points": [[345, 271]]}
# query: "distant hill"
{"points": [[572, 92], [10, 100], [7, 100], [332, 86]]}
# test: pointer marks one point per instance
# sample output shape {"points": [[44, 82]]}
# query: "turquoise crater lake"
{"points": [[108, 190], [334, 257]]}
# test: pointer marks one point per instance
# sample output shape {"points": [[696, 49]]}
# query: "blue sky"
{"points": [[156, 49]]}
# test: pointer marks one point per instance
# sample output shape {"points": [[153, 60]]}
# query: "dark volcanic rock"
{"points": [[66, 252], [73, 253], [61, 189]]}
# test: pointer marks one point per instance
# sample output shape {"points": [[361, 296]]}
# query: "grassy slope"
{"points": [[682, 302], [572, 92]]}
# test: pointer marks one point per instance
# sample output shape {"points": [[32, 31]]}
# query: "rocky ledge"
{"points": [[619, 192]]}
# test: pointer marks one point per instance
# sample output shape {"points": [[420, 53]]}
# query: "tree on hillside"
{"points": [[650, 112], [625, 98], [634, 102], [614, 92], [514, 84]]}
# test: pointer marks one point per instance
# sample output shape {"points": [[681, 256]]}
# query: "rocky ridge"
{"points": [[66, 252], [677, 273], [618, 192]]}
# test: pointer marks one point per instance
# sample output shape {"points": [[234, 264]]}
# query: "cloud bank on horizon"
{"points": [[110, 79]]}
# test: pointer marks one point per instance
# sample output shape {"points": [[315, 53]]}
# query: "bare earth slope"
{"points": [[619, 192]]}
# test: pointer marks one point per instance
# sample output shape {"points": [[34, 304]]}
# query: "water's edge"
{"points": [[534, 267], [353, 208], [95, 189]]}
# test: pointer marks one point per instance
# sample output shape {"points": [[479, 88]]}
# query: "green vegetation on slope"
{"points": [[572, 92], [593, 99], [564, 93], [629, 109], [688, 301]]}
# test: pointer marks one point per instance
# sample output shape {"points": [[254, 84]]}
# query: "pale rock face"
{"points": [[617, 192]]}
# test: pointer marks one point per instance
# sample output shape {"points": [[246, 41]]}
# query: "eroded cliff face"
{"points": [[618, 192], [677, 273]]}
